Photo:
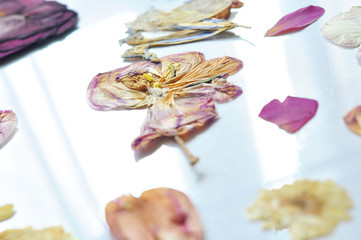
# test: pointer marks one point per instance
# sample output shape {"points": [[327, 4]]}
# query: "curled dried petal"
{"points": [[32, 234], [296, 20], [6, 211], [160, 213], [353, 120]]}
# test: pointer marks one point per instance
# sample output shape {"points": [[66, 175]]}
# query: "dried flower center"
{"points": [[306, 203]]}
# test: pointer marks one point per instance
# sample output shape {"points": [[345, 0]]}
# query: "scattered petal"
{"points": [[6, 212], [54, 233], [308, 208], [296, 21], [160, 213], [8, 122], [345, 29], [179, 92], [353, 120], [291, 114]]}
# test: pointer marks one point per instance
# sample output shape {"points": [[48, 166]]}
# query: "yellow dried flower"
{"points": [[6, 212], [308, 208], [51, 233]]}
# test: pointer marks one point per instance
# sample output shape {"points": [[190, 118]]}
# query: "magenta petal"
{"points": [[290, 115], [296, 20]]}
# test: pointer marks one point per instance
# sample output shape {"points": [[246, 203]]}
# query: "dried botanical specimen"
{"points": [[353, 120], [51, 233], [195, 20], [8, 122], [308, 208], [291, 114], [160, 213], [296, 20], [179, 93], [345, 30], [25, 22], [6, 212]]}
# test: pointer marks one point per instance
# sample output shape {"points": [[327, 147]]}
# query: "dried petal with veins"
{"points": [[296, 20], [353, 120], [345, 29], [308, 208], [179, 93], [8, 122], [54, 233], [160, 213]]}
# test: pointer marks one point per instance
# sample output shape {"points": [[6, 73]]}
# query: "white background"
{"points": [[67, 161]]}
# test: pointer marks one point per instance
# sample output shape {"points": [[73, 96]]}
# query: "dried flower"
{"points": [[345, 29], [353, 120], [160, 213], [308, 208], [296, 20], [54, 233], [291, 114], [8, 122], [179, 93]]}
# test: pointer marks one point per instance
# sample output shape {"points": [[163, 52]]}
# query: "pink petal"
{"points": [[8, 122], [290, 115], [296, 20]]}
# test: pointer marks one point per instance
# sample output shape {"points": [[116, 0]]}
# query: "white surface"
{"points": [[67, 161]]}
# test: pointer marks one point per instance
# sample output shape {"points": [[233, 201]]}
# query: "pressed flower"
{"points": [[345, 29], [160, 213], [54, 233], [296, 20], [6, 211], [308, 208], [353, 120], [23, 23], [193, 21], [179, 93], [290, 115], [8, 122]]}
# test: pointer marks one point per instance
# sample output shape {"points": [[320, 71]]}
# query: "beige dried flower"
{"points": [[308, 208]]}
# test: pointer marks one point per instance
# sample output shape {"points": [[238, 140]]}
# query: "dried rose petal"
{"points": [[296, 20], [160, 213], [353, 120], [179, 92], [308, 208], [290, 115], [31, 22], [6, 212], [8, 122]]}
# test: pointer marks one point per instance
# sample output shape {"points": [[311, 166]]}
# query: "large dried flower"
{"points": [[308, 208], [179, 93], [160, 213]]}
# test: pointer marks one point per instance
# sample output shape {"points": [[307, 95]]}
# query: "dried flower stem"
{"points": [[192, 159]]}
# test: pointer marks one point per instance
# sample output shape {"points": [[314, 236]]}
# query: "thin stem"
{"points": [[192, 159]]}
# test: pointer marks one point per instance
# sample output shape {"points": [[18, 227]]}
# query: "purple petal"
{"points": [[296, 20], [290, 115], [8, 122]]}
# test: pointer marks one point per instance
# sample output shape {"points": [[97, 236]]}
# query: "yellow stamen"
{"points": [[148, 77]]}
